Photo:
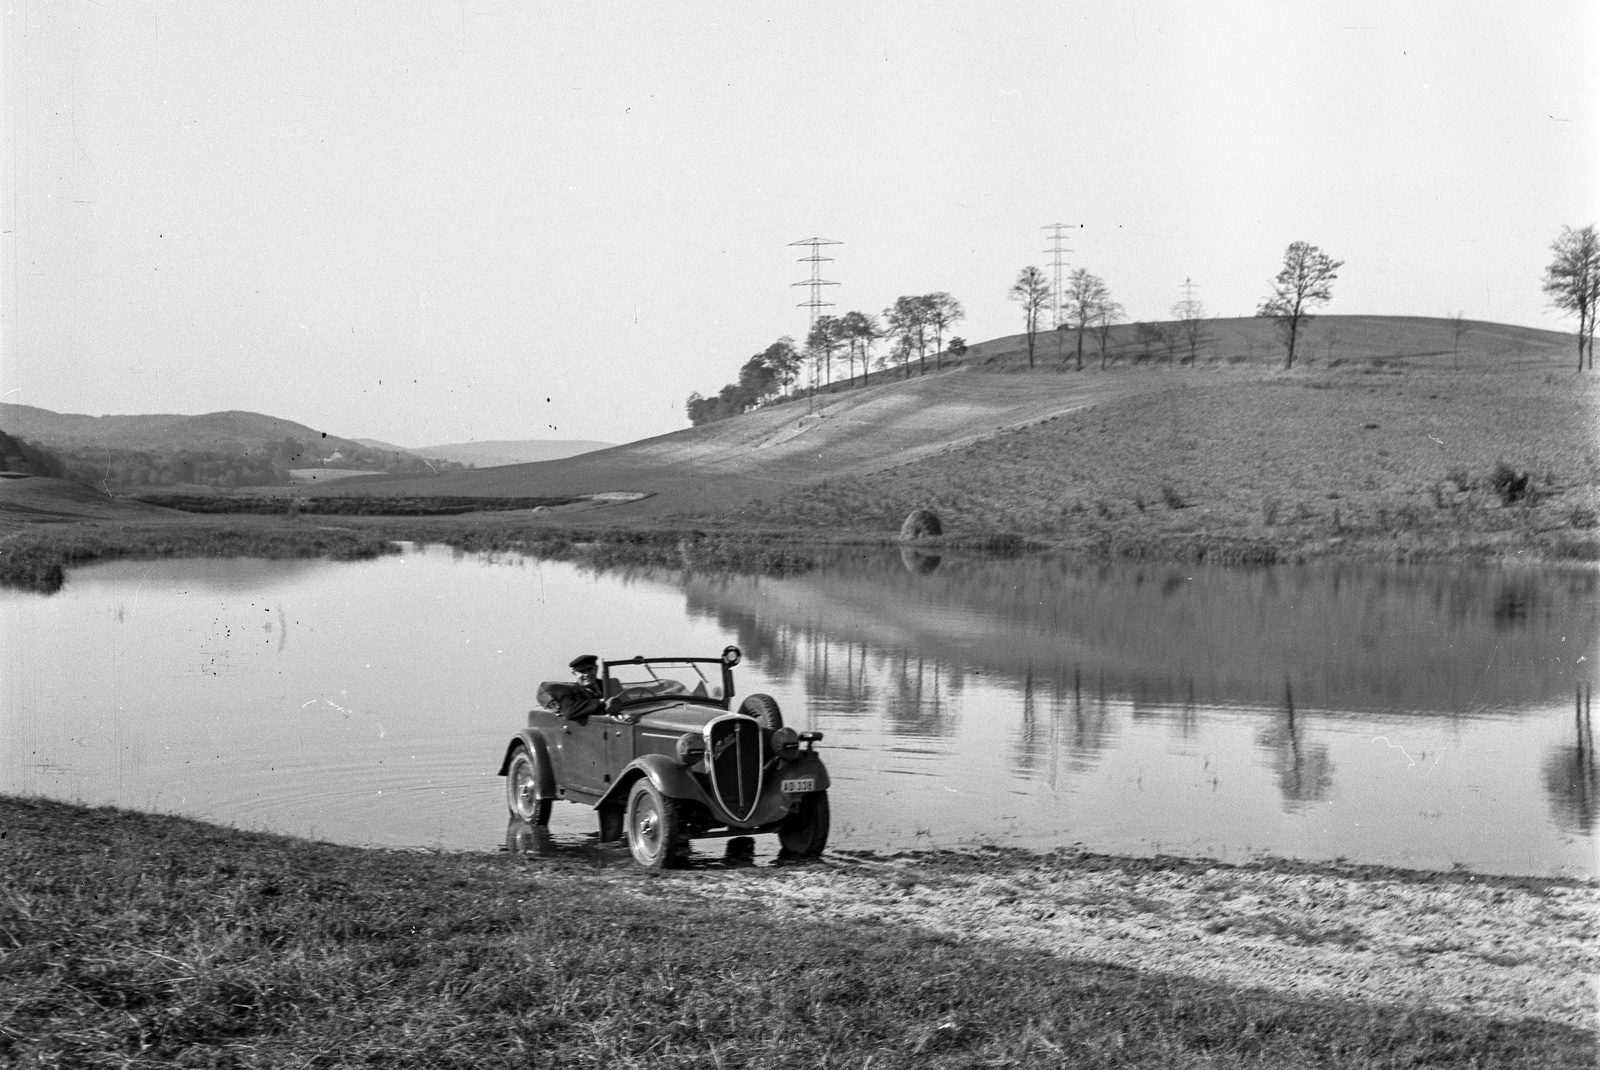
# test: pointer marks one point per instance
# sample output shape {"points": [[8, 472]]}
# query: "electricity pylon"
{"points": [[1055, 251], [816, 282]]}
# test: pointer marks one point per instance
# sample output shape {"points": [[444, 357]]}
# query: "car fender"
{"points": [[670, 778], [806, 764], [540, 750]]}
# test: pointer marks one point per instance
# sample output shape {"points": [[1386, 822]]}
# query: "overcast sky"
{"points": [[438, 222]]}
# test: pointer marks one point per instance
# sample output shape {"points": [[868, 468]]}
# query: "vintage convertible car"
{"points": [[667, 758]]}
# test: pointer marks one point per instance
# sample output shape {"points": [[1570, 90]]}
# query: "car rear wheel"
{"points": [[653, 827], [804, 833], [764, 708], [522, 790]]}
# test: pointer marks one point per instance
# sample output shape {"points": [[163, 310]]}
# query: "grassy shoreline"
{"points": [[35, 557], [144, 940]]}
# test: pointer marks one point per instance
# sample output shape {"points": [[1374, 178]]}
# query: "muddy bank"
{"points": [[1503, 947]]}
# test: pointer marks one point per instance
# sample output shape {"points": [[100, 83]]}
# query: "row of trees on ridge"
{"points": [[1086, 308], [914, 326]]}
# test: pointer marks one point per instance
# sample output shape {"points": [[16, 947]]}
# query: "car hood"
{"points": [[675, 716]]}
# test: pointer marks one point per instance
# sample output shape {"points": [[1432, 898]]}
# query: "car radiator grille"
{"points": [[735, 752]]}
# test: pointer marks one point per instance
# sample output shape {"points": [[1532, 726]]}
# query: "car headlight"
{"points": [[691, 748], [785, 741]]}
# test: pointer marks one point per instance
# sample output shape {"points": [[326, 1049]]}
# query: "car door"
{"points": [[619, 749], [581, 755]]}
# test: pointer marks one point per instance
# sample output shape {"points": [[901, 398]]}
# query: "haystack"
{"points": [[921, 524]]}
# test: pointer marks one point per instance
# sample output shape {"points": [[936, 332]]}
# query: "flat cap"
{"points": [[583, 661]]}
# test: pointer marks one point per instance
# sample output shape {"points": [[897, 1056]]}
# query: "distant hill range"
{"points": [[219, 449], [489, 453], [212, 432]]}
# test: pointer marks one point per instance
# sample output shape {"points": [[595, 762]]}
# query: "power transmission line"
{"points": [[816, 304], [816, 282], [1054, 252]]}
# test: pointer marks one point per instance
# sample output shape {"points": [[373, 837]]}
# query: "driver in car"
{"points": [[583, 698]]}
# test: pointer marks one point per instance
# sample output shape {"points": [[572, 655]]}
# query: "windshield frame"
{"points": [[726, 670]]}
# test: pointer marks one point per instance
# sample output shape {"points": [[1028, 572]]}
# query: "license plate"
{"points": [[798, 786]]}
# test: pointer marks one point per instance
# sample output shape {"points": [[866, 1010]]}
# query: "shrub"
{"points": [[1170, 495], [1510, 485]]}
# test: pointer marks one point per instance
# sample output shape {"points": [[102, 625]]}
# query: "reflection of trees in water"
{"points": [[1353, 637], [1061, 725], [914, 705], [837, 674], [1570, 775], [771, 645], [1304, 770]]}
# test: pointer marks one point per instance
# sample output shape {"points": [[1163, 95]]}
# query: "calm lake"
{"points": [[1419, 717]]}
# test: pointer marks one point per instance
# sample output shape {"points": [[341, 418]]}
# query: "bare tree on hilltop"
{"points": [[1085, 293], [784, 360], [860, 331], [1191, 317], [1151, 336], [907, 320], [1573, 282], [1106, 316], [825, 337], [943, 312], [1306, 280], [1032, 292]]}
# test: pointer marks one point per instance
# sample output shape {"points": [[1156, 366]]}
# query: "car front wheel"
{"points": [[804, 833], [522, 790], [652, 826]]}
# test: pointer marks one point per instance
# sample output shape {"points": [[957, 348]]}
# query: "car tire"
{"points": [[652, 826], [804, 833], [764, 708], [522, 790]]}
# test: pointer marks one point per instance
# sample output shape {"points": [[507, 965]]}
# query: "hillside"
{"points": [[489, 453], [39, 499], [774, 454]]}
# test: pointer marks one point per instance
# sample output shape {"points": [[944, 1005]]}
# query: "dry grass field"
{"points": [[1393, 460]]}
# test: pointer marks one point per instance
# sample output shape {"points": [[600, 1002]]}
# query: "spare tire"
{"points": [[764, 708]]}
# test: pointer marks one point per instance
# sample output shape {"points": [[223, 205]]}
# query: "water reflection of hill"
{"points": [[1342, 636]]}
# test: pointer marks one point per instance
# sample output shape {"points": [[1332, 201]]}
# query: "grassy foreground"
{"points": [[137, 940]]}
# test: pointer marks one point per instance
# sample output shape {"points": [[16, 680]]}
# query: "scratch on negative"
{"points": [[1385, 741]]}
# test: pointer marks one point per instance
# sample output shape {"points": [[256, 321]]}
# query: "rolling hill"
{"points": [[898, 431], [490, 453], [218, 448], [209, 432]]}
